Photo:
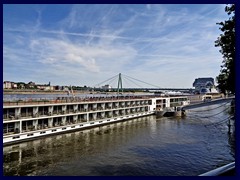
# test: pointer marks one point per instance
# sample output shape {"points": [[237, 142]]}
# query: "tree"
{"points": [[226, 78]]}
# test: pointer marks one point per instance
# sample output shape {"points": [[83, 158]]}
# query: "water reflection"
{"points": [[142, 146]]}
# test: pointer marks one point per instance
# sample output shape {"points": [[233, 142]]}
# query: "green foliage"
{"points": [[226, 78]]}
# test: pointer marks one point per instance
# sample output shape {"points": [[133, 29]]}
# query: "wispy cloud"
{"points": [[166, 45]]}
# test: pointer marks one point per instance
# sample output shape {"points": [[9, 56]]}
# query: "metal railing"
{"points": [[221, 170]]}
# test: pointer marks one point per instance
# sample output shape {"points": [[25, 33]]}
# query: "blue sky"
{"points": [[164, 45]]}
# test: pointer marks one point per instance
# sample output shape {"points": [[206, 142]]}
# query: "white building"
{"points": [[107, 87], [7, 85]]}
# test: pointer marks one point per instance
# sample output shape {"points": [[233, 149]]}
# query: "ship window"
{"points": [[8, 127]]}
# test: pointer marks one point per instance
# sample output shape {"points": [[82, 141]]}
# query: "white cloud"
{"points": [[150, 42]]}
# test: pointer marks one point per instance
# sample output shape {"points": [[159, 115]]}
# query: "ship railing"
{"points": [[56, 112], [63, 100], [69, 111], [9, 131], [25, 115], [28, 128], [8, 116]]}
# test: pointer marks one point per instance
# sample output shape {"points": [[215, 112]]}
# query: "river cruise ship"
{"points": [[29, 119]]}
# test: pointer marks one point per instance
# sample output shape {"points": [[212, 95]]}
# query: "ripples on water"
{"points": [[144, 146]]}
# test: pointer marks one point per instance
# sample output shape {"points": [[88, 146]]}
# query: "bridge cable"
{"points": [[110, 82], [106, 80], [141, 81], [132, 81], [126, 82]]}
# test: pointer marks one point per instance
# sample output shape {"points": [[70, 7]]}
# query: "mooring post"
{"points": [[183, 112], [233, 106], [229, 126]]}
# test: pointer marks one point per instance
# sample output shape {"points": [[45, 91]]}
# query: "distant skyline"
{"points": [[168, 46]]}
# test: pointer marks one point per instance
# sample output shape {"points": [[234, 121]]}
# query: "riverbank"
{"points": [[5, 92], [16, 92]]}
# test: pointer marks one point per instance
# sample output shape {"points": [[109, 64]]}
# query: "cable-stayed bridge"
{"points": [[119, 79], [122, 83]]}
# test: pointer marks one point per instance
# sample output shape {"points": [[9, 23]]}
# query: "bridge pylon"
{"points": [[119, 84]]}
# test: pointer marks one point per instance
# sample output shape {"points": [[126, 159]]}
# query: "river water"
{"points": [[147, 146], [12, 97]]}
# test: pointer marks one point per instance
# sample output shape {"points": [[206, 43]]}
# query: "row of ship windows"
{"points": [[81, 106], [62, 120], [64, 128], [11, 115]]}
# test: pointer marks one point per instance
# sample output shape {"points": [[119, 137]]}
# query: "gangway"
{"points": [[208, 103]]}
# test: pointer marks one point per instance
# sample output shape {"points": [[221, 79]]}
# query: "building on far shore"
{"points": [[30, 85], [9, 85], [204, 85], [107, 87]]}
